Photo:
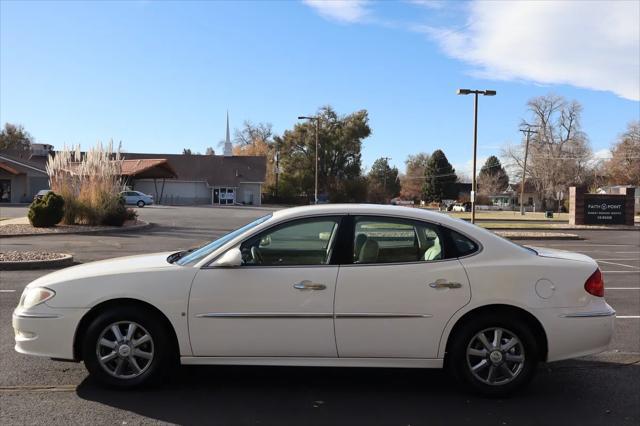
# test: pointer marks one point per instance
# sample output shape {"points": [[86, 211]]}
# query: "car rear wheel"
{"points": [[140, 203], [495, 357], [127, 347]]}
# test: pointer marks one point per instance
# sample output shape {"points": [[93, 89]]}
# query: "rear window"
{"points": [[464, 246]]}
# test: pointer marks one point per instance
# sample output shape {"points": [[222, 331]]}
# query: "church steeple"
{"points": [[228, 148]]}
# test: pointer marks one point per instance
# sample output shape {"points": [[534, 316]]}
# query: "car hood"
{"points": [[118, 265], [562, 254]]}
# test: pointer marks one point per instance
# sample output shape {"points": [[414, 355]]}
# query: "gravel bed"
{"points": [[23, 256], [27, 229]]}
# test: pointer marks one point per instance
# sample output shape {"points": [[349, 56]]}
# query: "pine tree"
{"points": [[440, 177], [492, 179]]}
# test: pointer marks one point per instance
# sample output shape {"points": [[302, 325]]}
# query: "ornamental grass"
{"points": [[90, 183]]}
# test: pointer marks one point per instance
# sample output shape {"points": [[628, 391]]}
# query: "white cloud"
{"points": [[348, 11], [465, 170], [593, 45], [429, 4]]}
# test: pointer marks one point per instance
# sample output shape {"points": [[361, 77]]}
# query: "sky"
{"points": [[159, 76]]}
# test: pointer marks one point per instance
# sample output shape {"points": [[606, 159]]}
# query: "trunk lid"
{"points": [[562, 254]]}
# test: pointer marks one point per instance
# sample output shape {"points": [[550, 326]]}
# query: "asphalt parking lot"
{"points": [[596, 390]]}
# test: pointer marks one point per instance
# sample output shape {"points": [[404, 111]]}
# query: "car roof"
{"points": [[460, 225], [368, 209]]}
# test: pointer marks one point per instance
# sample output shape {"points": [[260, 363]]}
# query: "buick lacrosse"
{"points": [[330, 285]]}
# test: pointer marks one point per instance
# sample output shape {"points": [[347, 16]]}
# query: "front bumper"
{"points": [[46, 332], [578, 333]]}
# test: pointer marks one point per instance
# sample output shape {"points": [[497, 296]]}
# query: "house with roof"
{"points": [[510, 197], [171, 178], [21, 177]]}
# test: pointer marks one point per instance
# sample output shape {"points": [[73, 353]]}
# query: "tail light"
{"points": [[595, 284]]}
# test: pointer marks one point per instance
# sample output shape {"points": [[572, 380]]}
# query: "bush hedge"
{"points": [[47, 211]]}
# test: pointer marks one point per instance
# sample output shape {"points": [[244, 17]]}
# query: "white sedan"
{"points": [[331, 285]]}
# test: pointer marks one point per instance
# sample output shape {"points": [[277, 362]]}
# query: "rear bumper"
{"points": [[578, 333], [48, 332]]}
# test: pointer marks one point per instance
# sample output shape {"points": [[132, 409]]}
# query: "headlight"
{"points": [[34, 296]]}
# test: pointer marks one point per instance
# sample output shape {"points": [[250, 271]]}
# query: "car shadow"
{"points": [[581, 392]]}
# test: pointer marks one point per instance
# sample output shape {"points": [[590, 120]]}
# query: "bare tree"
{"points": [[624, 166], [251, 133], [559, 152], [413, 179]]}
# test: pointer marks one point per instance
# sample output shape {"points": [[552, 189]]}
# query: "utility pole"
{"points": [[317, 121], [528, 132], [475, 141], [384, 179], [277, 165]]}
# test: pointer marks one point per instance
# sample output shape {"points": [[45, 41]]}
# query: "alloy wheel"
{"points": [[125, 349], [495, 356]]}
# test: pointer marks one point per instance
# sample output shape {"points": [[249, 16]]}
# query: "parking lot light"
{"points": [[475, 141]]}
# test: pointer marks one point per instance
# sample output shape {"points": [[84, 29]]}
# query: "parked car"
{"points": [[136, 197], [414, 289], [40, 194], [461, 207]]}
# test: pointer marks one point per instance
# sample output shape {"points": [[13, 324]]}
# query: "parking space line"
{"points": [[619, 264], [622, 258], [7, 291], [622, 288], [628, 317], [621, 272]]}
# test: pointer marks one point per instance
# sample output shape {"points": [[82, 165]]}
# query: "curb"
{"points": [[23, 265], [623, 228], [134, 228], [556, 237]]}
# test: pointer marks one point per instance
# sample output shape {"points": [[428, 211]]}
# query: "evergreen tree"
{"points": [[440, 178], [493, 178], [383, 181]]}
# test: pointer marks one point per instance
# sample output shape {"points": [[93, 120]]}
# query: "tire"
{"points": [[491, 378], [140, 203], [153, 356]]}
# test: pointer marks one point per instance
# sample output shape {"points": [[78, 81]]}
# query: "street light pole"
{"points": [[475, 156], [317, 122], [475, 141], [528, 132]]}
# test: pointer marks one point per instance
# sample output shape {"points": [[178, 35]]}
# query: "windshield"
{"points": [[204, 251]]}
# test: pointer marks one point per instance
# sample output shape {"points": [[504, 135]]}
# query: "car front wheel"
{"points": [[127, 348], [494, 358], [140, 203]]}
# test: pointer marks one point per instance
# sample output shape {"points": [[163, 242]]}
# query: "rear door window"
{"points": [[395, 240]]}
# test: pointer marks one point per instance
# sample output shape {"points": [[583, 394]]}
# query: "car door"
{"points": [[396, 297], [278, 303], [130, 197]]}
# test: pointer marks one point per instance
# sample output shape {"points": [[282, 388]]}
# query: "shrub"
{"points": [[47, 211], [114, 212], [132, 214]]}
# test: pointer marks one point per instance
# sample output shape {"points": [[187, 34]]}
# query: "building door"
{"points": [[224, 196], [5, 190]]}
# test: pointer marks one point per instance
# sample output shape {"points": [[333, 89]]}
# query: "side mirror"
{"points": [[231, 259]]}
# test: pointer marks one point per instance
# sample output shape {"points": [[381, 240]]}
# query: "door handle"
{"points": [[442, 283], [308, 285]]}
